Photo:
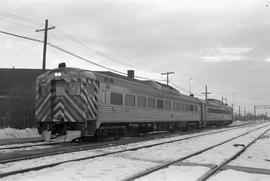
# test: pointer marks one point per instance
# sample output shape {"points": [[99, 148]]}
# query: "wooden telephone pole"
{"points": [[167, 73], [206, 92], [45, 42]]}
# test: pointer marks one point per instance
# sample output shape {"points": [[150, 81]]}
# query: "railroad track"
{"points": [[74, 147], [37, 143], [212, 170], [27, 145], [220, 166], [99, 155]]}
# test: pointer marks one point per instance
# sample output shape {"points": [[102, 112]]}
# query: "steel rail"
{"points": [[162, 166], [26, 146], [221, 165], [116, 152], [20, 155]]}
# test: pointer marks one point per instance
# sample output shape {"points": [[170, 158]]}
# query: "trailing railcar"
{"points": [[72, 103], [217, 113]]}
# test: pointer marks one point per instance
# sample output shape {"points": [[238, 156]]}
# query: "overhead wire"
{"points": [[68, 52], [6, 14]]}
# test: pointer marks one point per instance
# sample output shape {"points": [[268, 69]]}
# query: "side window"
{"points": [[195, 108], [168, 105], [141, 101], [74, 88], [175, 107], [116, 98], [160, 104], [151, 103], [187, 107], [180, 107], [103, 97], [129, 100], [191, 108]]}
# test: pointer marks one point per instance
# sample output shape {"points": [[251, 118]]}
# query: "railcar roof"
{"points": [[154, 84], [216, 102], [150, 83]]}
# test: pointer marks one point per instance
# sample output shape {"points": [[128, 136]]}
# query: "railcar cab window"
{"points": [[129, 100], [141, 101], [160, 104], [168, 105], [116, 98], [74, 88], [60, 87], [151, 103]]}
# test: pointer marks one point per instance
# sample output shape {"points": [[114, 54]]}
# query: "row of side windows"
{"points": [[117, 99], [218, 111]]}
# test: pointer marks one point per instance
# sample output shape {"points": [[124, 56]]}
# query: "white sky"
{"points": [[224, 44]]}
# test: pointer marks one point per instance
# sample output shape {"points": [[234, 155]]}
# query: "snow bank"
{"points": [[7, 133]]}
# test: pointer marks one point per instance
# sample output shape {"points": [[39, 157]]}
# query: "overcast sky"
{"points": [[224, 43]]}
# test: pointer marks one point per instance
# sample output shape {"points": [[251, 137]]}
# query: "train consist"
{"points": [[73, 103]]}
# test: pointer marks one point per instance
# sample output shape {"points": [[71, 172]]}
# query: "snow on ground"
{"points": [[142, 154], [231, 175], [258, 155], [115, 166], [8, 133], [225, 151], [176, 173]]}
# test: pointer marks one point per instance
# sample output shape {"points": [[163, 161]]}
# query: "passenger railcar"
{"points": [[217, 113], [72, 103]]}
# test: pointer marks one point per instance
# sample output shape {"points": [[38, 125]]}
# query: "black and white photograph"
{"points": [[125, 90]]}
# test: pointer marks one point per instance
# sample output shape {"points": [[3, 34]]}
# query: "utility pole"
{"points": [[45, 42], [190, 79], [255, 112], [239, 111], [245, 111], [167, 73], [206, 92], [233, 106]]}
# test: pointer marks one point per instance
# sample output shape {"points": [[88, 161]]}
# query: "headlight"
{"points": [[57, 74]]}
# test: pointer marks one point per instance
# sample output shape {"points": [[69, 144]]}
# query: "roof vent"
{"points": [[62, 65], [130, 74]]}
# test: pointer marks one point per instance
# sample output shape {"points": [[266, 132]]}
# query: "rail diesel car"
{"points": [[73, 103]]}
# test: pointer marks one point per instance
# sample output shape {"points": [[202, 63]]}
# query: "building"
{"points": [[17, 97]]}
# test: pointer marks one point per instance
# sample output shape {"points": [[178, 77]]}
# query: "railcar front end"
{"points": [[66, 104]]}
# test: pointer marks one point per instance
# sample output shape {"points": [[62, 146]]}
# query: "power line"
{"points": [[20, 36], [72, 54], [61, 49], [20, 18], [9, 15], [94, 50], [84, 59]]}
